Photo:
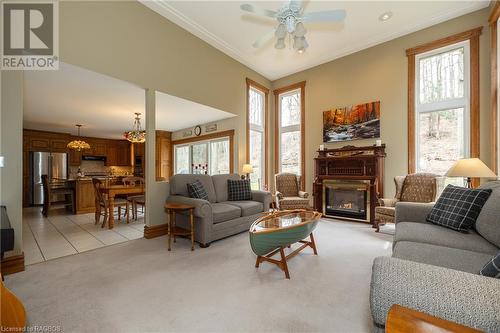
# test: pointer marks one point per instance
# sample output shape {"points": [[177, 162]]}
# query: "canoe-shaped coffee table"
{"points": [[274, 231]]}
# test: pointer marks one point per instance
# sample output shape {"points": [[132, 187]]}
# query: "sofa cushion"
{"points": [[492, 268], [287, 184], [224, 212], [248, 207], [220, 185], [462, 260], [293, 203], [239, 190], [196, 190], [428, 233], [178, 185], [488, 221], [458, 207]]}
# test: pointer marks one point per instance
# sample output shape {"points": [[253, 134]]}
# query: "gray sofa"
{"points": [[216, 218], [435, 269]]}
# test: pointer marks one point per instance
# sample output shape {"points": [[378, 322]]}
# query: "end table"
{"points": [[174, 230]]}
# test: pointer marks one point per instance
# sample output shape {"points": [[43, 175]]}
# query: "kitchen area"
{"points": [[84, 162]]}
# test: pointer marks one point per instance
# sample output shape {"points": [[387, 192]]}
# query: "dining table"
{"points": [[112, 190]]}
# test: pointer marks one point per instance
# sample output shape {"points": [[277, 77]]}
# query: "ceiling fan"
{"points": [[291, 19]]}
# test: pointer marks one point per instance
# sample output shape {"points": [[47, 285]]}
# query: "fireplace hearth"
{"points": [[347, 199]]}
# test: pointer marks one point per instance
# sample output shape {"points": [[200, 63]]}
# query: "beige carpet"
{"points": [[139, 286]]}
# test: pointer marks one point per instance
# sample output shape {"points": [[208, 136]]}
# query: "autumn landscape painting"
{"points": [[360, 121]]}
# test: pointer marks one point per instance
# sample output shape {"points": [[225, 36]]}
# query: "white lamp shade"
{"points": [[470, 167], [247, 168], [280, 32]]}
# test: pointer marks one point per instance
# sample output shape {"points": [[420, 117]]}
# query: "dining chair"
{"points": [[101, 202], [135, 200], [51, 192]]}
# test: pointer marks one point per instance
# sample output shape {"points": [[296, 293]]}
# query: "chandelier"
{"points": [[136, 135], [78, 144]]}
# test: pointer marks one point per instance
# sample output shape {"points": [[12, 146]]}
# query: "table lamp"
{"points": [[247, 169], [470, 168]]}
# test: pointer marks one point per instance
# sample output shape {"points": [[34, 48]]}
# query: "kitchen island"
{"points": [[84, 192]]}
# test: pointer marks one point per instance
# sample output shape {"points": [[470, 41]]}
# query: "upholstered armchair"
{"points": [[416, 187], [288, 193]]}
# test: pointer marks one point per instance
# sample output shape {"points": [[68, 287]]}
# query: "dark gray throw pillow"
{"points": [[492, 268], [197, 190], [239, 189], [458, 207]]}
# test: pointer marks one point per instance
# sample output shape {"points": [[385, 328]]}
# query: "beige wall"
{"points": [[11, 147], [380, 73]]}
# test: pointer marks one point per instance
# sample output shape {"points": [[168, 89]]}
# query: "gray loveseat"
{"points": [[216, 218], [435, 269]]}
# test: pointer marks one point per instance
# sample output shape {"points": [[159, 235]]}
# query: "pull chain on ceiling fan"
{"points": [[291, 18]]}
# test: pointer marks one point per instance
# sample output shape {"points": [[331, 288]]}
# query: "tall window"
{"points": [[257, 133], [210, 156], [442, 107], [290, 129], [443, 102]]}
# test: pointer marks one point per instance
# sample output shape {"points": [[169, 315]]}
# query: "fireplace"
{"points": [[347, 199]]}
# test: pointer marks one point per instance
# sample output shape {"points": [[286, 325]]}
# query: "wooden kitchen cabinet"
{"points": [[75, 157], [163, 154], [123, 153], [84, 196]]}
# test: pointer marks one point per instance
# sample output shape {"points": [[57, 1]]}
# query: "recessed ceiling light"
{"points": [[385, 16]]}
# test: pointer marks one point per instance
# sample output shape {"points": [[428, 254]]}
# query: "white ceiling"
{"points": [[57, 100], [174, 113], [225, 26]]}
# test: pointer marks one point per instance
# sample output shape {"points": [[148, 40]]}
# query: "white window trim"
{"points": [[260, 129], [455, 103], [289, 128], [190, 154]]}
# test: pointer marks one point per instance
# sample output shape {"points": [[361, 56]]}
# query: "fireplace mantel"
{"points": [[350, 163]]}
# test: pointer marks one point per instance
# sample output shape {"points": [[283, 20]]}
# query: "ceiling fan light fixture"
{"points": [[280, 32], [300, 30], [290, 24], [280, 43], [385, 16]]}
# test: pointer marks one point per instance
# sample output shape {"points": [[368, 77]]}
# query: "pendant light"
{"points": [[136, 135], [78, 144]]}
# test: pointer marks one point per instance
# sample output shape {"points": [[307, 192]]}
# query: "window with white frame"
{"points": [[289, 125], [256, 136], [203, 157], [442, 103]]}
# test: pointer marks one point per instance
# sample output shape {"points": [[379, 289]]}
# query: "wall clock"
{"points": [[197, 130]]}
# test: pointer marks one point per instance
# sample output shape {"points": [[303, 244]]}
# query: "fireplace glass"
{"points": [[346, 200]]}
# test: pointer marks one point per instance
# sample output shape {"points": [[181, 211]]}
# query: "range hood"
{"points": [[93, 158]]}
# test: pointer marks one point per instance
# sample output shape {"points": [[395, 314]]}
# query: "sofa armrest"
{"points": [[202, 208], [386, 202], [469, 299], [263, 196], [412, 211], [279, 195], [303, 195]]}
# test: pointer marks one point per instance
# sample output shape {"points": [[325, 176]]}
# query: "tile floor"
{"points": [[62, 234]]}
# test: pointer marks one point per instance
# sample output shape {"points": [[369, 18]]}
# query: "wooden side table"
{"points": [[174, 230]]}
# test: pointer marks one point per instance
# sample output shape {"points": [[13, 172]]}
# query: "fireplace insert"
{"points": [[347, 199]]}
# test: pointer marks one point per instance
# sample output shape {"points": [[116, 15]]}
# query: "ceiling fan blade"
{"points": [[264, 12], [325, 16], [263, 40]]}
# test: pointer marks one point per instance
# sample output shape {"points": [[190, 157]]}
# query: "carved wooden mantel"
{"points": [[350, 163]]}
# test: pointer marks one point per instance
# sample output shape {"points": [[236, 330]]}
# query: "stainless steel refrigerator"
{"points": [[54, 165]]}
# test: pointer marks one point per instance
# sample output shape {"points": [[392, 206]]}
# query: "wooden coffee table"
{"points": [[174, 230], [273, 232]]}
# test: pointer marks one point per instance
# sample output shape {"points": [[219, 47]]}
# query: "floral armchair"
{"points": [[416, 187], [288, 193]]}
